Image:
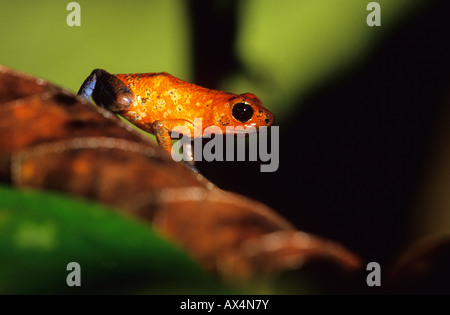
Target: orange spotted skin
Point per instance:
(159, 103)
(163, 97)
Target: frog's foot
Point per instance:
(192, 166)
(107, 91)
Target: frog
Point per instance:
(158, 102)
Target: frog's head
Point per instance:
(247, 110)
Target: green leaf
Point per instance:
(41, 233)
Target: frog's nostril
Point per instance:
(267, 120)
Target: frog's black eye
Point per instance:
(242, 112)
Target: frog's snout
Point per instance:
(270, 118)
(266, 117)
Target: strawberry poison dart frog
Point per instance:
(158, 102)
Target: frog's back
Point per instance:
(160, 96)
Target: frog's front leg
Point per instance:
(163, 129)
(107, 91)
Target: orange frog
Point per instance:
(158, 102)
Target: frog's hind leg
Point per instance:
(107, 91)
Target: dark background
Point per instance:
(354, 154)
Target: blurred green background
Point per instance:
(357, 106)
(285, 47)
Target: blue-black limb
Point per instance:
(107, 91)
